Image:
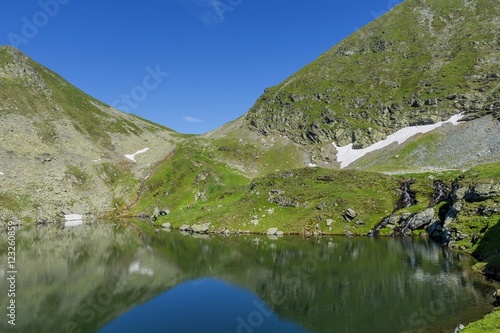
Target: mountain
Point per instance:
(419, 64)
(62, 150)
(425, 64)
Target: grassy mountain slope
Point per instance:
(196, 188)
(62, 150)
(420, 63)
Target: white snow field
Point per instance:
(346, 154)
(132, 156)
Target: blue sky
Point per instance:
(191, 65)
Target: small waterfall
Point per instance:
(408, 196)
(441, 192)
(410, 220)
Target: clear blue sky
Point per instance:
(219, 54)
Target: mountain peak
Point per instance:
(18, 68)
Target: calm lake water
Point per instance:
(102, 278)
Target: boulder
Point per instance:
(142, 216)
(156, 213)
(185, 228)
(350, 214)
(164, 212)
(435, 230)
(452, 213)
(329, 222)
(272, 231)
(422, 219)
(200, 228)
(165, 225)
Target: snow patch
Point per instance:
(1, 173)
(132, 156)
(346, 154)
(73, 220)
(135, 267)
(312, 165)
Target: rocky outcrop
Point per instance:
(481, 192)
(465, 201)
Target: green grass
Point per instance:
(482, 173)
(490, 323)
(392, 61)
(232, 201)
(77, 176)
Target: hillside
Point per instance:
(420, 63)
(62, 150)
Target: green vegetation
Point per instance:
(121, 181)
(14, 202)
(197, 188)
(77, 176)
(410, 66)
(490, 323)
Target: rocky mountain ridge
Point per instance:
(61, 151)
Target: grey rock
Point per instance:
(329, 222)
(422, 219)
(200, 228)
(185, 228)
(156, 214)
(459, 194)
(481, 192)
(165, 225)
(200, 196)
(164, 212)
(272, 231)
(453, 213)
(350, 214)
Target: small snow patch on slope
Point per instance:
(346, 154)
(73, 220)
(132, 156)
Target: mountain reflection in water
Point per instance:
(104, 278)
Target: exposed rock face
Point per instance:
(462, 199)
(481, 192)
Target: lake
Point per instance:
(107, 278)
